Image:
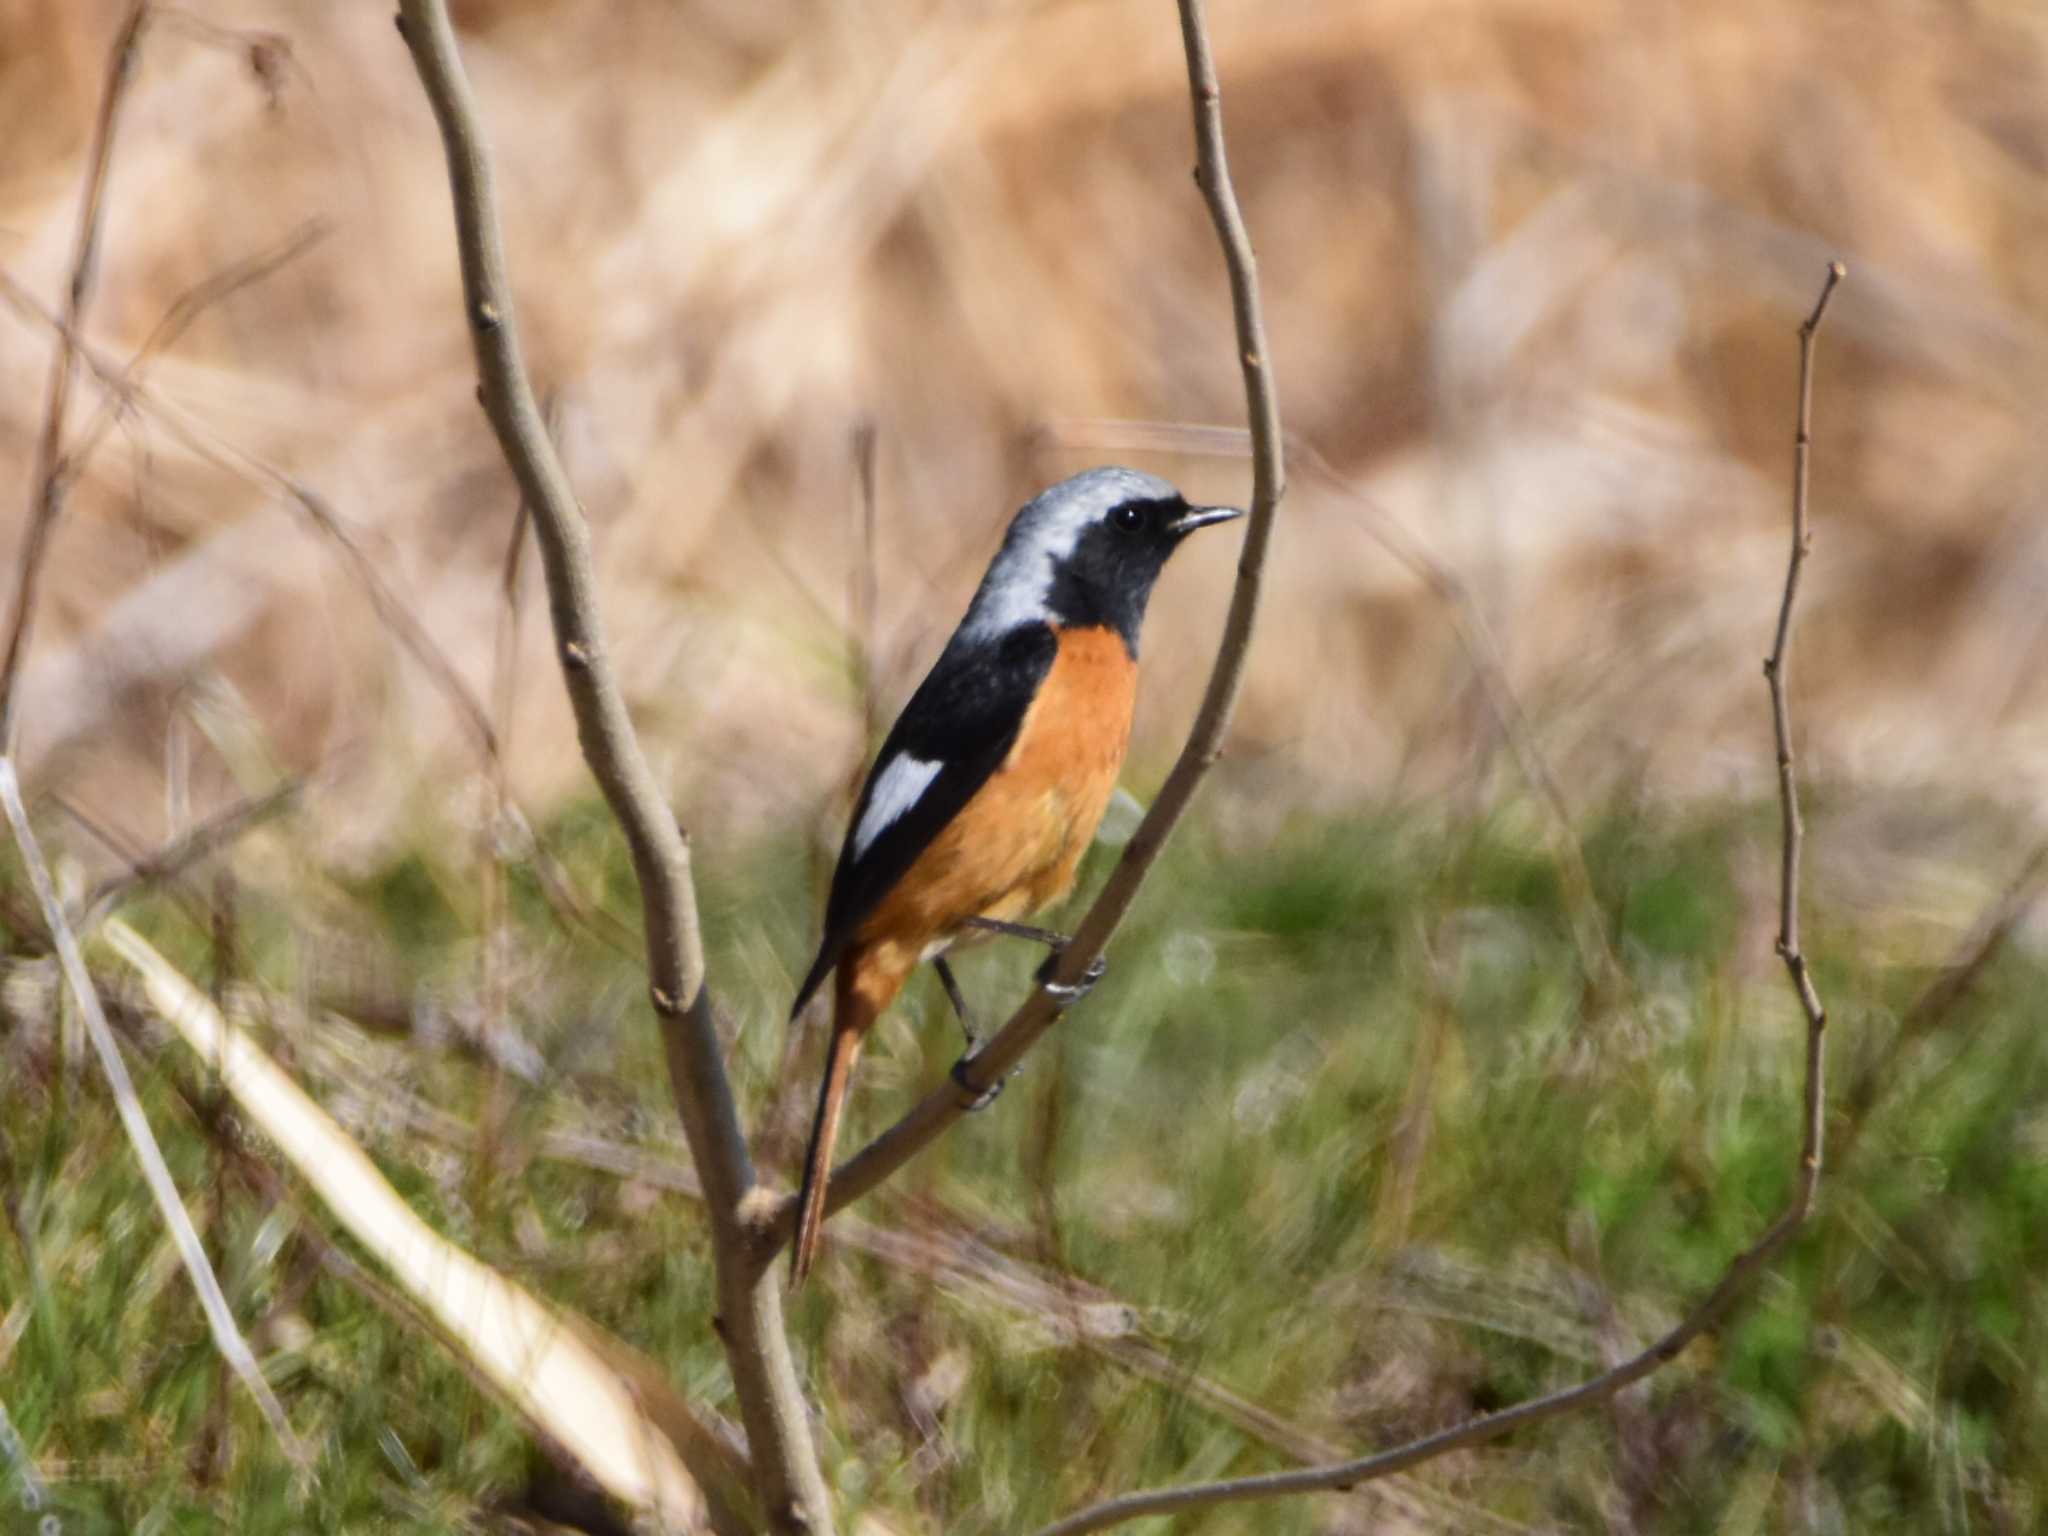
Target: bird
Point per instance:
(990, 785)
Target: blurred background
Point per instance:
(1533, 271)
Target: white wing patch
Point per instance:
(899, 788)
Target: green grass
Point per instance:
(1215, 1138)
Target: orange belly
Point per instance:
(1016, 846)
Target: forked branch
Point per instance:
(1744, 1267)
(750, 1304)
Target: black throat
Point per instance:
(1108, 580)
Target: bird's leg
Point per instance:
(1052, 941)
(954, 996)
(1066, 994)
(977, 1097)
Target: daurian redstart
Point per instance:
(990, 785)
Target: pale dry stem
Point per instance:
(227, 1335)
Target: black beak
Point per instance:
(1201, 517)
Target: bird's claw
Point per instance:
(977, 1097)
(1068, 993)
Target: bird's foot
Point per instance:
(976, 1096)
(1068, 993)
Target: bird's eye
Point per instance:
(1130, 517)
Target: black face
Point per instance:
(1108, 578)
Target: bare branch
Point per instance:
(764, 1376)
(1775, 664)
(49, 495)
(1736, 1278)
(227, 1337)
(939, 1109)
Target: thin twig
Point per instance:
(496, 944)
(1932, 1008)
(395, 612)
(183, 311)
(227, 1337)
(572, 909)
(939, 1109)
(1475, 635)
(1775, 665)
(505, 660)
(1408, 1146)
(268, 55)
(175, 857)
(49, 495)
(750, 1302)
(864, 594)
(1735, 1279)
(210, 1455)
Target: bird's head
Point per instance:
(1087, 551)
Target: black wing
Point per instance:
(964, 718)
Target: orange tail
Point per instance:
(846, 1042)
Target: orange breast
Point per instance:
(1016, 845)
